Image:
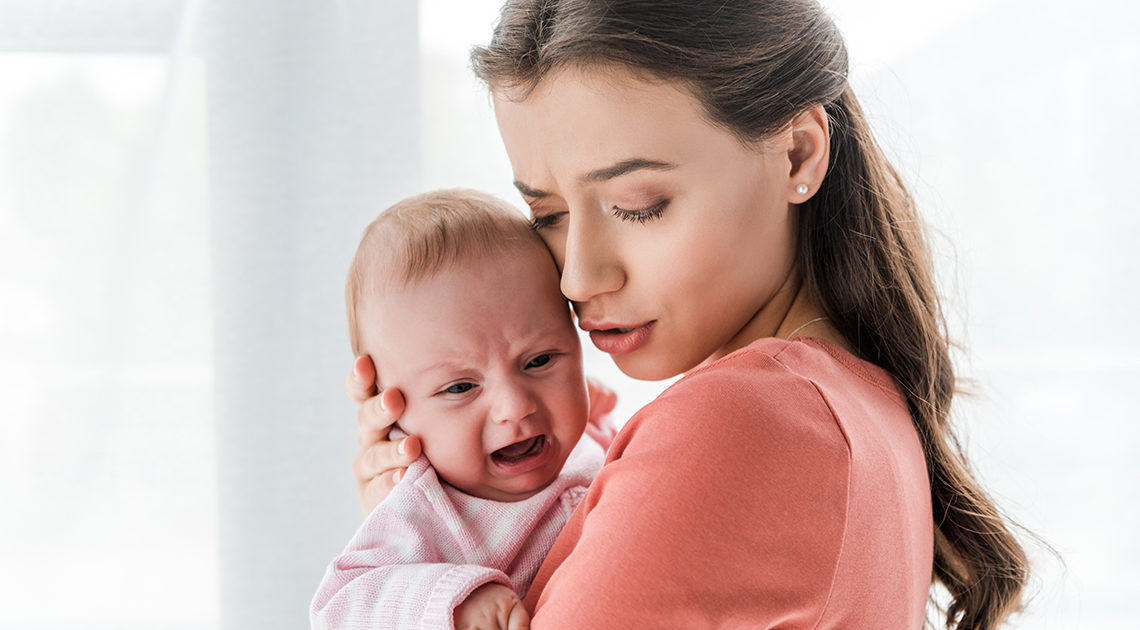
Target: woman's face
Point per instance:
(672, 236)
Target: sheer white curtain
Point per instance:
(182, 186)
(183, 183)
(313, 130)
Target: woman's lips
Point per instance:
(620, 340)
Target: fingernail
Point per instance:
(398, 475)
(401, 447)
(383, 407)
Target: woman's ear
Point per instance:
(808, 154)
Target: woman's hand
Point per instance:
(492, 607)
(380, 462)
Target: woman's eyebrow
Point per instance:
(527, 191)
(623, 167)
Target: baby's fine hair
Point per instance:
(423, 235)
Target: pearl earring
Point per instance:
(802, 189)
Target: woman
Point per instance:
(710, 190)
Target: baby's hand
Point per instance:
(492, 607)
(602, 401)
(601, 426)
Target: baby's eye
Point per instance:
(460, 388)
(539, 361)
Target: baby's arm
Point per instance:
(393, 574)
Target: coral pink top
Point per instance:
(781, 486)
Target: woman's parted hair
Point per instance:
(421, 236)
(754, 65)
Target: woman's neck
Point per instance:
(791, 312)
(805, 318)
(768, 320)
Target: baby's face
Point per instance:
(491, 369)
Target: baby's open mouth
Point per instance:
(520, 450)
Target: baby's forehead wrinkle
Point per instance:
(458, 362)
(494, 345)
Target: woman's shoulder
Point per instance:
(773, 391)
(766, 362)
(746, 396)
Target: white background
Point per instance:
(182, 185)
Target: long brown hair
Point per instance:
(753, 66)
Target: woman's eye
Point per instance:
(541, 222)
(643, 215)
(460, 388)
(539, 361)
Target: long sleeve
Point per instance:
(394, 596)
(423, 550)
(736, 499)
(400, 569)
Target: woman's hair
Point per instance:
(753, 66)
(423, 235)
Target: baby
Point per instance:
(457, 301)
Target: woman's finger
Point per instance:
(377, 489)
(376, 416)
(384, 457)
(377, 468)
(360, 384)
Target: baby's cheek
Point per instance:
(438, 442)
(411, 423)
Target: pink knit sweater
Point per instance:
(423, 550)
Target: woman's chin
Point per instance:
(646, 367)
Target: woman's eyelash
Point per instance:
(544, 221)
(644, 215)
(641, 216)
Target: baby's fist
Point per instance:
(492, 607)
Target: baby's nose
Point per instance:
(512, 403)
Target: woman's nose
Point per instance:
(513, 402)
(590, 265)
